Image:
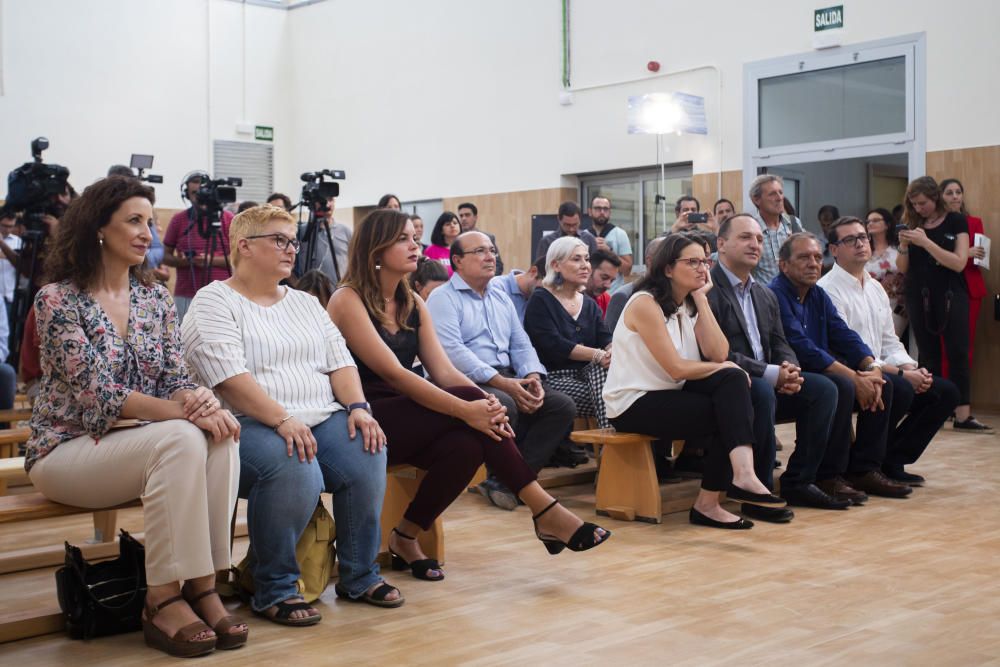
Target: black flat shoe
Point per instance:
(376, 597)
(769, 514)
(903, 477)
(761, 499)
(419, 568)
(581, 540)
(699, 519)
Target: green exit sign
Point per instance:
(829, 18)
(263, 133)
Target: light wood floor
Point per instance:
(897, 582)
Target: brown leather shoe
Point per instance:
(839, 488)
(875, 483)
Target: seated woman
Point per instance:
(658, 383)
(430, 275)
(460, 427)
(568, 330)
(446, 230)
(273, 355)
(317, 283)
(110, 351)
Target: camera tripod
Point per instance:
(24, 293)
(209, 227)
(318, 218)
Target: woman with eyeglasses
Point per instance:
(937, 296)
(447, 426)
(659, 383)
(887, 265)
(446, 230)
(567, 329)
(278, 362)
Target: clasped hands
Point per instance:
(204, 410)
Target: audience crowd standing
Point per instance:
(321, 386)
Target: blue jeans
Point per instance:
(283, 492)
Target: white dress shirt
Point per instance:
(864, 305)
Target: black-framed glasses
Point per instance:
(694, 262)
(481, 251)
(281, 242)
(856, 240)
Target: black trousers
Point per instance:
(540, 433)
(717, 406)
(947, 317)
(916, 418)
(871, 433)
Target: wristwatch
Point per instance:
(899, 372)
(360, 406)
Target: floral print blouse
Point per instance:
(89, 369)
(883, 269)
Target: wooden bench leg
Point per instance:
(105, 526)
(400, 487)
(627, 488)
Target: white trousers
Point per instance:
(187, 485)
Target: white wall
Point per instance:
(103, 79)
(436, 97)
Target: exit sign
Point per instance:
(830, 18)
(263, 133)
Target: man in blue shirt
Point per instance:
(518, 285)
(819, 338)
(482, 334)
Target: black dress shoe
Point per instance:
(498, 494)
(770, 514)
(897, 474)
(810, 495)
(699, 519)
(762, 499)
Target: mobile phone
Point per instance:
(901, 228)
(697, 217)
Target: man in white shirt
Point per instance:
(10, 245)
(921, 402)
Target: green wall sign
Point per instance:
(263, 133)
(829, 18)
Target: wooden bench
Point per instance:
(627, 487)
(11, 439)
(15, 415)
(401, 484)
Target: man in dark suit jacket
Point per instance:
(748, 314)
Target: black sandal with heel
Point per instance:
(581, 540)
(419, 568)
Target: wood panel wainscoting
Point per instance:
(978, 169)
(705, 188)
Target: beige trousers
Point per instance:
(187, 485)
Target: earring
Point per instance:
(100, 240)
(378, 265)
(558, 280)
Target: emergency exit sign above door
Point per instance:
(828, 27)
(830, 18)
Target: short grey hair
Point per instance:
(785, 252)
(757, 186)
(560, 249)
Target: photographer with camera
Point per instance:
(324, 240)
(192, 245)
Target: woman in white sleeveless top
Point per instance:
(660, 385)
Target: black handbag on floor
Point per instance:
(105, 598)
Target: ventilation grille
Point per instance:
(254, 163)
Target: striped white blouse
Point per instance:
(289, 348)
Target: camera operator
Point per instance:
(154, 258)
(187, 249)
(332, 264)
(688, 217)
(10, 247)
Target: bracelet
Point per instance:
(598, 356)
(278, 425)
(903, 251)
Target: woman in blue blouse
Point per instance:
(567, 330)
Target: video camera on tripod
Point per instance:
(210, 198)
(317, 191)
(315, 195)
(32, 187)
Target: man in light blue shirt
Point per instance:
(518, 285)
(482, 334)
(610, 237)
